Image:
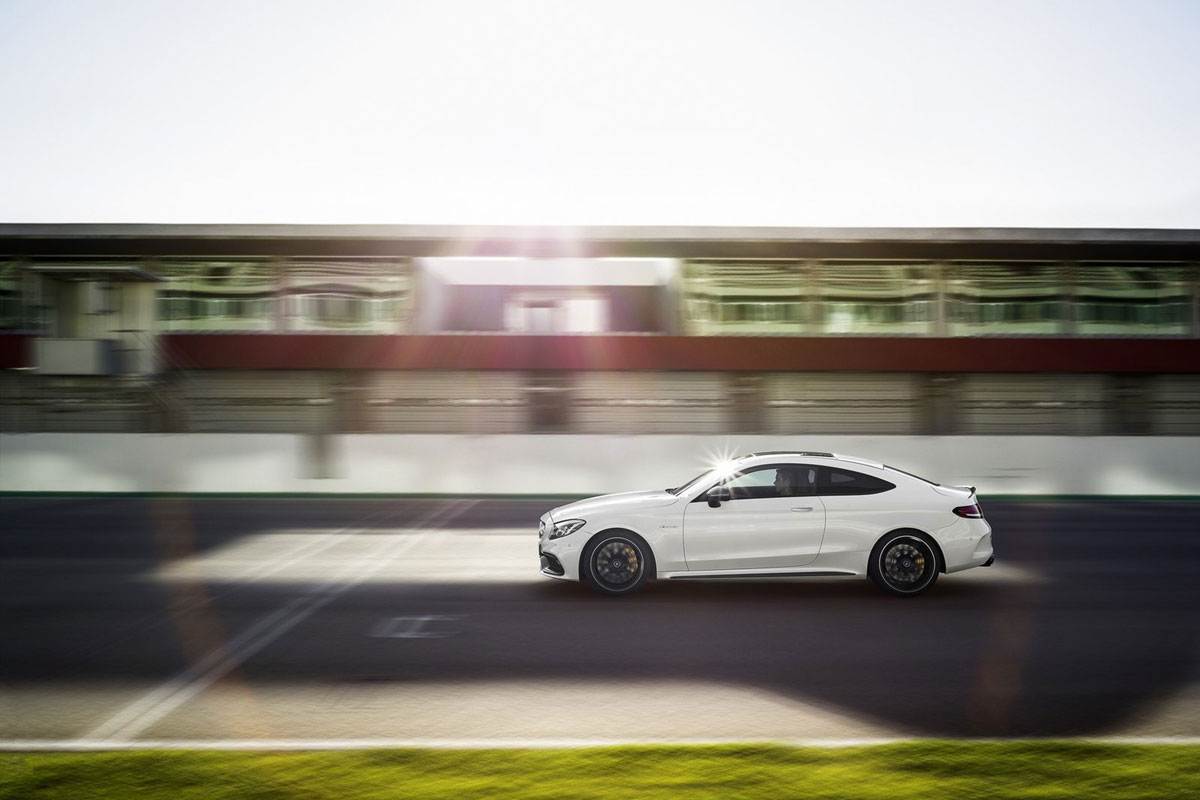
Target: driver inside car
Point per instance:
(787, 482)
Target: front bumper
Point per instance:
(559, 558)
(551, 565)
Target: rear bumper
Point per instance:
(969, 546)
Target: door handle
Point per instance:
(803, 508)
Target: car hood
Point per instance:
(623, 502)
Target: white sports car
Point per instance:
(772, 515)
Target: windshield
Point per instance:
(692, 482)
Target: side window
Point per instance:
(798, 480)
(753, 485)
(790, 480)
(837, 481)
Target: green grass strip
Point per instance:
(928, 770)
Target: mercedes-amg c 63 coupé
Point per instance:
(772, 515)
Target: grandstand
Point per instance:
(410, 329)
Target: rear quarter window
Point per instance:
(838, 481)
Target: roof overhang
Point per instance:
(349, 241)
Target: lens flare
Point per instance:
(722, 459)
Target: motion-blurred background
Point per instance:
(846, 338)
(308, 312)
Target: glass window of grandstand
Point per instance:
(1121, 299)
(875, 298)
(744, 298)
(347, 296)
(1005, 299)
(10, 296)
(218, 295)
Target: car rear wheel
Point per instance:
(904, 563)
(617, 563)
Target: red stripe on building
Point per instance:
(724, 353)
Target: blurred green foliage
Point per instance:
(927, 770)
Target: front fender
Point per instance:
(664, 535)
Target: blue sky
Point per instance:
(1007, 113)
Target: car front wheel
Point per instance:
(617, 563)
(904, 563)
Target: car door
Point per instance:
(769, 522)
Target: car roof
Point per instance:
(815, 454)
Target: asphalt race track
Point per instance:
(153, 619)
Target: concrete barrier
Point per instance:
(566, 464)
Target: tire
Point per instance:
(904, 563)
(617, 562)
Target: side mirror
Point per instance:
(718, 495)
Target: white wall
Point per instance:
(145, 462)
(567, 464)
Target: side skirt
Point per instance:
(748, 575)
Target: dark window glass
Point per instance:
(836, 481)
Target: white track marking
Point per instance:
(215, 661)
(151, 707)
(320, 545)
(453, 556)
(413, 627)
(256, 573)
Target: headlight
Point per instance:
(566, 528)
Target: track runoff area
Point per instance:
(311, 623)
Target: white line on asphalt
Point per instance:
(321, 544)
(131, 714)
(65, 745)
(255, 573)
(162, 700)
(412, 627)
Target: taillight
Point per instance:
(970, 512)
